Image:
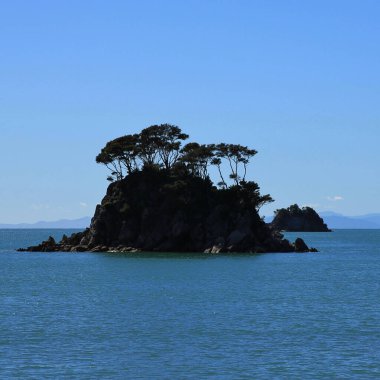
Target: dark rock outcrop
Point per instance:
(300, 246)
(296, 219)
(154, 210)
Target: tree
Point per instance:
(234, 154)
(250, 193)
(110, 157)
(127, 151)
(118, 154)
(216, 161)
(160, 144)
(197, 158)
(169, 144)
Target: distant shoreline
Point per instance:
(80, 223)
(43, 228)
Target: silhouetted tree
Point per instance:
(160, 144)
(216, 161)
(197, 158)
(250, 193)
(120, 154)
(129, 148)
(235, 155)
(110, 157)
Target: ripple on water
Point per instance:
(303, 316)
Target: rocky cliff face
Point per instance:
(298, 219)
(156, 211)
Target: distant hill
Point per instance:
(339, 221)
(63, 223)
(335, 220)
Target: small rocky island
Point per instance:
(161, 199)
(296, 219)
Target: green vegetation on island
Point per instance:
(160, 147)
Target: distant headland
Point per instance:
(161, 198)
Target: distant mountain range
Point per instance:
(332, 219)
(339, 221)
(81, 223)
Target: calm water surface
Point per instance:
(273, 316)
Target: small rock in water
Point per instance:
(300, 246)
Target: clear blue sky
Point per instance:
(297, 80)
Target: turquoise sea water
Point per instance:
(272, 316)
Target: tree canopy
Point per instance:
(160, 147)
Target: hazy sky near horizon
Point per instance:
(297, 80)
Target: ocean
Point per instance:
(191, 316)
